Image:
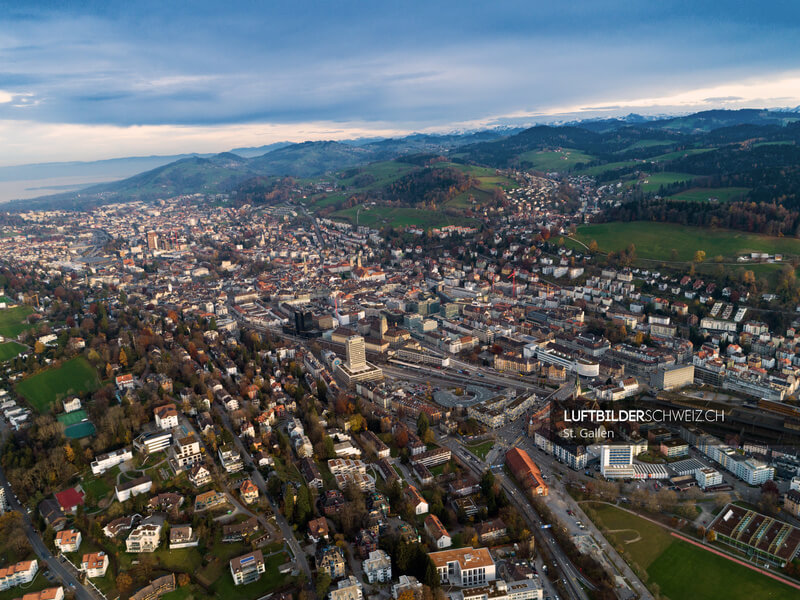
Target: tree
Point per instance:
(302, 507)
(183, 580)
(124, 581)
(323, 583)
(593, 246)
(422, 423)
(38, 347)
(699, 256)
(288, 503)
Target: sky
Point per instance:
(95, 80)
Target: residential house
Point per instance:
(199, 475)
(330, 560)
(68, 540)
(94, 564)
(437, 532)
(166, 417)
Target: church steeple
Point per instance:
(577, 391)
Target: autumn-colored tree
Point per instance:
(69, 453)
(123, 358)
(183, 580)
(38, 347)
(401, 439)
(124, 581)
(593, 247)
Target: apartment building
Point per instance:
(144, 538)
(18, 573)
(378, 567)
(464, 567)
(247, 568)
(186, 452)
(104, 462)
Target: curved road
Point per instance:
(53, 564)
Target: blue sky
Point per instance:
(85, 80)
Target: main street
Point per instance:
(559, 500)
(572, 579)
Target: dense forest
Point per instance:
(766, 218)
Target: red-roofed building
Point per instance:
(69, 500)
(526, 472)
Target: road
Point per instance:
(573, 579)
(258, 479)
(559, 501)
(53, 564)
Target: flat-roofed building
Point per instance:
(464, 567)
(378, 567)
(104, 462)
(247, 568)
(347, 589)
(144, 538)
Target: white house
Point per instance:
(95, 564)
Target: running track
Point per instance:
(736, 560)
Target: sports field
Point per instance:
(9, 350)
(681, 570)
(80, 430)
(73, 417)
(723, 194)
(656, 240)
(75, 376)
(12, 320)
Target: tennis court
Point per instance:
(80, 430)
(73, 417)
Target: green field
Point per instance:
(381, 174)
(75, 376)
(723, 194)
(73, 417)
(9, 350)
(224, 587)
(656, 240)
(612, 166)
(654, 181)
(681, 570)
(12, 320)
(680, 154)
(391, 216)
(647, 144)
(481, 450)
(556, 160)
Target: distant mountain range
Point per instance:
(603, 140)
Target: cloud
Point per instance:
(155, 67)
